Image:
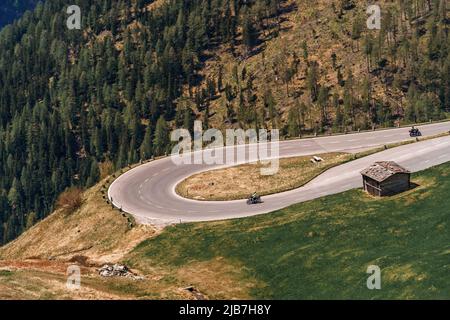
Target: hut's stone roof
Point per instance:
(382, 170)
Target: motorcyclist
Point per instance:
(254, 198)
(414, 131)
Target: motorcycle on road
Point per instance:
(254, 199)
(414, 132)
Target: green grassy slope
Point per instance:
(321, 249)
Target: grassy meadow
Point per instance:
(321, 249)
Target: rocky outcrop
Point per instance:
(117, 270)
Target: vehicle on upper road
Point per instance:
(415, 132)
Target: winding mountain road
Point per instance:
(148, 191)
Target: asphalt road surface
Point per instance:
(148, 191)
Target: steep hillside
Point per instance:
(323, 70)
(77, 104)
(91, 228)
(90, 234)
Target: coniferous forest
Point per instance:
(78, 104)
(72, 99)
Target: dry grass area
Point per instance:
(216, 278)
(155, 5)
(70, 200)
(93, 230)
(239, 182)
(34, 266)
(30, 285)
(46, 280)
(40, 279)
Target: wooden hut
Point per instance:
(386, 178)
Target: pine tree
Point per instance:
(188, 119)
(146, 146)
(312, 79)
(161, 139)
(94, 174)
(293, 124)
(322, 102)
(249, 32)
(271, 106)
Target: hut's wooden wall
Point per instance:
(371, 186)
(397, 183)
